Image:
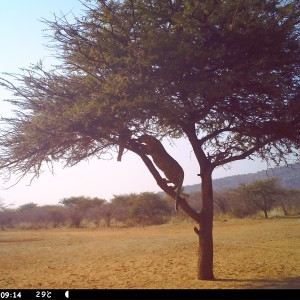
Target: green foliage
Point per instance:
(228, 68)
(82, 202)
(224, 74)
(121, 205)
(79, 207)
(261, 194)
(140, 209)
(27, 206)
(149, 208)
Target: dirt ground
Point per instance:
(248, 254)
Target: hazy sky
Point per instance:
(22, 44)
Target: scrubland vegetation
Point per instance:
(222, 74)
(139, 241)
(259, 199)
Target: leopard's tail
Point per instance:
(177, 195)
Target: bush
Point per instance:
(149, 209)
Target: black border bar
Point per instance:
(105, 294)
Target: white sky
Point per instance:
(22, 40)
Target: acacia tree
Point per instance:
(149, 208)
(261, 194)
(223, 74)
(79, 206)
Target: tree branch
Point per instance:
(134, 147)
(243, 155)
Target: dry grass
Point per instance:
(248, 254)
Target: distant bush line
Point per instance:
(262, 198)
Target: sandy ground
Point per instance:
(248, 254)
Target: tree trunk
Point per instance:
(265, 209)
(205, 252)
(205, 218)
(284, 208)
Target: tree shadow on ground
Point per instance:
(283, 283)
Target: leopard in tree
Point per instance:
(165, 162)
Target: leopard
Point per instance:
(165, 162)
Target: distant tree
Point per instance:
(238, 207)
(194, 201)
(107, 213)
(261, 194)
(149, 208)
(6, 218)
(56, 215)
(30, 215)
(79, 206)
(27, 206)
(121, 205)
(82, 202)
(223, 74)
(222, 201)
(289, 201)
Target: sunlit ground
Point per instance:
(248, 254)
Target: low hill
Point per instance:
(289, 178)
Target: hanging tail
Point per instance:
(176, 197)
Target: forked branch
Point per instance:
(134, 147)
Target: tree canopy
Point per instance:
(224, 74)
